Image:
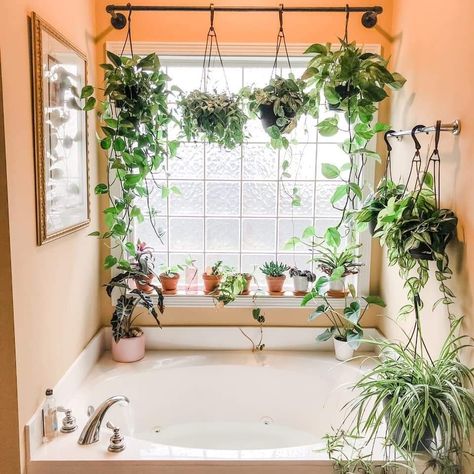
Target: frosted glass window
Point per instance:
(236, 205)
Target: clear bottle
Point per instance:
(50, 417)
(191, 276)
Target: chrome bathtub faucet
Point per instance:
(90, 433)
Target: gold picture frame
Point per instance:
(59, 71)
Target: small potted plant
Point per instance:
(232, 285)
(191, 275)
(345, 329)
(337, 265)
(279, 104)
(169, 278)
(275, 276)
(213, 276)
(128, 344)
(216, 117)
(248, 279)
(143, 266)
(301, 280)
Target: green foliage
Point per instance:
(416, 403)
(274, 269)
(218, 269)
(171, 271)
(353, 83)
(216, 117)
(337, 263)
(345, 325)
(231, 286)
(134, 118)
(414, 232)
(279, 104)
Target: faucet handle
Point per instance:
(117, 443)
(90, 410)
(69, 422)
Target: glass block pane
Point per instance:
(222, 163)
(258, 234)
(257, 76)
(301, 261)
(158, 204)
(302, 161)
(223, 198)
(259, 199)
(251, 264)
(186, 78)
(333, 154)
(305, 131)
(222, 234)
(186, 234)
(216, 79)
(321, 226)
(191, 200)
(160, 259)
(146, 233)
(189, 162)
(341, 135)
(305, 191)
(256, 133)
(229, 259)
(180, 259)
(260, 162)
(324, 191)
(288, 228)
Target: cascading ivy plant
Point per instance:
(215, 117)
(352, 83)
(134, 117)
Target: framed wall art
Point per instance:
(60, 128)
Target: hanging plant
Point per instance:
(414, 404)
(134, 117)
(279, 105)
(352, 83)
(214, 117)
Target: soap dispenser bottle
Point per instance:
(50, 417)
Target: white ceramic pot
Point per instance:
(300, 284)
(343, 350)
(337, 287)
(129, 349)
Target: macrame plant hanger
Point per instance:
(281, 40)
(211, 40)
(128, 37)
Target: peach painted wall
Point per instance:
(437, 57)
(55, 286)
(244, 28)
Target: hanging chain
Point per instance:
(279, 41)
(211, 39)
(129, 31)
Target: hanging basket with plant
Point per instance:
(215, 117)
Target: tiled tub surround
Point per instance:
(199, 408)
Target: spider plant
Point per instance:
(337, 263)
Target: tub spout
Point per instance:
(90, 433)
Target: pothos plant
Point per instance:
(134, 118)
(345, 324)
(215, 117)
(352, 83)
(415, 232)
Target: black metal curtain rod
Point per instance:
(178, 8)
(118, 20)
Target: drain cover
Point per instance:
(266, 420)
(157, 429)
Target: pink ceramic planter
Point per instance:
(129, 349)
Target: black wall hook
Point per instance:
(385, 137)
(413, 136)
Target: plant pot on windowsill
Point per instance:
(169, 283)
(248, 280)
(144, 283)
(300, 284)
(275, 284)
(269, 119)
(129, 349)
(343, 350)
(211, 282)
(337, 288)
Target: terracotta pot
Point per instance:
(128, 349)
(275, 284)
(145, 283)
(246, 290)
(211, 282)
(343, 350)
(169, 283)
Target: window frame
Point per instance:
(176, 53)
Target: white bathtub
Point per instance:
(208, 412)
